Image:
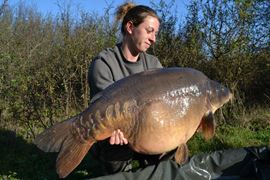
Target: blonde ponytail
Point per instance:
(123, 9)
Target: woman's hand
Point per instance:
(118, 138)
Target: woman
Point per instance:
(140, 25)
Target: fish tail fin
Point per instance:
(70, 156)
(52, 139)
(59, 138)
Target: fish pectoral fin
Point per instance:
(208, 126)
(199, 129)
(181, 154)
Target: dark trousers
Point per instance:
(118, 158)
(252, 163)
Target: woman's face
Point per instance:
(144, 35)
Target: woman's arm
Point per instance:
(99, 76)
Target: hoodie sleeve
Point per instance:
(99, 76)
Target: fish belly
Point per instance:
(162, 140)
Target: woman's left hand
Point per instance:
(118, 138)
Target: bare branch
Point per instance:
(2, 7)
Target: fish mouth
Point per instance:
(222, 101)
(231, 96)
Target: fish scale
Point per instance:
(160, 113)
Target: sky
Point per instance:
(50, 6)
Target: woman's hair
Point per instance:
(136, 14)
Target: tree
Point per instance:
(2, 7)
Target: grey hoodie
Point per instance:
(110, 66)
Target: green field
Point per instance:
(20, 159)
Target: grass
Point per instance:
(229, 136)
(20, 159)
(23, 160)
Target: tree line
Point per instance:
(44, 59)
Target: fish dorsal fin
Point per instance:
(96, 97)
(208, 125)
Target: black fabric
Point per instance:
(119, 158)
(244, 163)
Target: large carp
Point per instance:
(157, 111)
